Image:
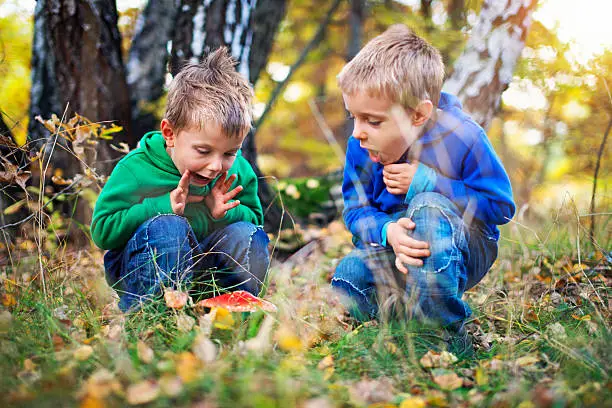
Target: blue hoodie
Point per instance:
(455, 159)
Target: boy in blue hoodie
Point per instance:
(423, 189)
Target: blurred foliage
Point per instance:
(547, 133)
(15, 54)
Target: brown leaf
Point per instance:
(142, 393)
(433, 359)
(447, 380)
(204, 349)
(175, 299)
(83, 353)
(145, 353)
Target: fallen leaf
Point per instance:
(433, 359)
(175, 299)
(413, 402)
(145, 353)
(368, 391)
(92, 402)
(170, 385)
(184, 323)
(223, 319)
(287, 340)
(447, 380)
(142, 392)
(187, 367)
(83, 353)
(327, 366)
(6, 321)
(581, 318)
(527, 361)
(8, 300)
(481, 376)
(101, 384)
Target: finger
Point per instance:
(407, 260)
(230, 195)
(179, 208)
(406, 223)
(408, 241)
(184, 181)
(233, 204)
(230, 181)
(395, 190)
(400, 266)
(194, 198)
(391, 182)
(396, 168)
(414, 252)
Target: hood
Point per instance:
(449, 120)
(153, 146)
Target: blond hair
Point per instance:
(397, 65)
(211, 90)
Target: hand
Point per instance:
(398, 177)
(179, 197)
(218, 199)
(408, 250)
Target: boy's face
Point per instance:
(377, 129)
(206, 153)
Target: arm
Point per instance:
(484, 192)
(120, 209)
(363, 220)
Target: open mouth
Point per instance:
(374, 156)
(200, 180)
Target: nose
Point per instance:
(358, 132)
(215, 165)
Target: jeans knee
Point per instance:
(167, 228)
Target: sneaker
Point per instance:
(459, 342)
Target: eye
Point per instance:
(231, 153)
(202, 152)
(374, 122)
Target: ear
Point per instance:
(168, 132)
(422, 112)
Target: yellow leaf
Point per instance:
(13, 208)
(481, 376)
(83, 353)
(223, 319)
(142, 393)
(526, 361)
(288, 340)
(92, 402)
(8, 300)
(413, 402)
(585, 317)
(187, 367)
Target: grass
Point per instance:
(539, 323)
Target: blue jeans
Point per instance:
(460, 257)
(165, 252)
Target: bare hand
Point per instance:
(218, 199)
(408, 250)
(398, 177)
(179, 197)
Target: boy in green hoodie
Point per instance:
(185, 201)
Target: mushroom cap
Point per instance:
(239, 301)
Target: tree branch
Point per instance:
(314, 42)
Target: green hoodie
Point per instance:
(139, 188)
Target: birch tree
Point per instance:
(484, 70)
(247, 28)
(147, 61)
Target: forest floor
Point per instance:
(540, 326)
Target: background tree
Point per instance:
(147, 62)
(247, 28)
(485, 68)
(77, 67)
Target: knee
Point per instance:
(352, 271)
(433, 204)
(168, 230)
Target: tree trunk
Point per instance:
(485, 68)
(356, 21)
(77, 67)
(147, 61)
(456, 13)
(247, 28)
(9, 191)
